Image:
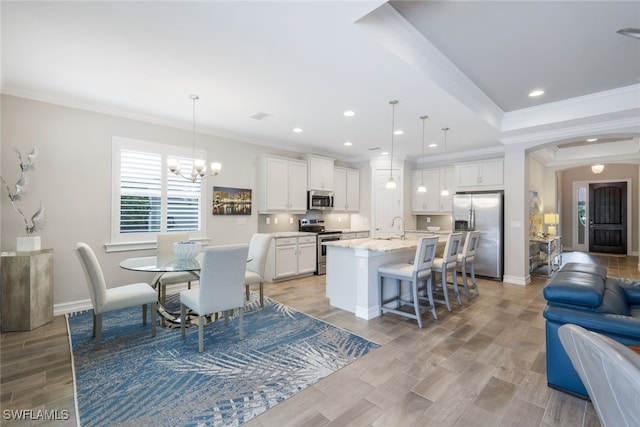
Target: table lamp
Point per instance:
(551, 219)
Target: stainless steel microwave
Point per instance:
(319, 200)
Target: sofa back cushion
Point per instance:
(614, 300)
(580, 267)
(574, 288)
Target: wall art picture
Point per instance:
(231, 201)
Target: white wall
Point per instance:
(73, 179)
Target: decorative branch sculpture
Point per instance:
(38, 220)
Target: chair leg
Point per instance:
(144, 314)
(154, 313)
(464, 283)
(454, 276)
(416, 302)
(380, 288)
(445, 288)
(246, 292)
(240, 323)
(261, 294)
(201, 333)
(473, 279)
(183, 320)
(97, 327)
(430, 296)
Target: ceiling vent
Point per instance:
(259, 115)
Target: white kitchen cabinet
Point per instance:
(320, 173)
(290, 257)
(283, 187)
(489, 173)
(432, 201)
(346, 192)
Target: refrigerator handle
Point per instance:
(472, 222)
(469, 220)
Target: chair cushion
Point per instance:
(251, 278)
(128, 296)
(173, 278)
(403, 270)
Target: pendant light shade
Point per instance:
(391, 183)
(422, 188)
(445, 190)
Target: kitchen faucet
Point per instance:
(393, 221)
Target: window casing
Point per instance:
(149, 199)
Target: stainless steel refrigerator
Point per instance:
(483, 212)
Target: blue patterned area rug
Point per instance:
(135, 379)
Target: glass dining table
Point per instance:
(160, 266)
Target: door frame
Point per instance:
(574, 208)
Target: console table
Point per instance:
(545, 255)
(26, 284)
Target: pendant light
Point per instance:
(199, 170)
(422, 188)
(391, 183)
(445, 190)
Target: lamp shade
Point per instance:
(551, 218)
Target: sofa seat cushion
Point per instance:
(631, 288)
(580, 267)
(574, 288)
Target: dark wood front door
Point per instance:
(608, 217)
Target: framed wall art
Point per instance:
(231, 201)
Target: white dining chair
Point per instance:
(221, 287)
(610, 372)
(417, 271)
(105, 300)
(466, 262)
(258, 251)
(165, 253)
(445, 265)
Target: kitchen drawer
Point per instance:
(286, 241)
(307, 239)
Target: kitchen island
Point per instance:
(352, 270)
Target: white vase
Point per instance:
(30, 243)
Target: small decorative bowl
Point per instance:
(433, 228)
(186, 250)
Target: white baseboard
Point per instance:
(72, 307)
(517, 280)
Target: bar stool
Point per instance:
(415, 271)
(444, 265)
(465, 259)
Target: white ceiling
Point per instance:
(303, 63)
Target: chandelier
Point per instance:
(445, 190)
(199, 169)
(422, 188)
(391, 183)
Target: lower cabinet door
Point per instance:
(306, 258)
(286, 261)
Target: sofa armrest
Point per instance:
(625, 329)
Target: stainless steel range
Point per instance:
(317, 226)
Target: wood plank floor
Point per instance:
(483, 364)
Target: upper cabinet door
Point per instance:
(297, 187)
(353, 190)
(346, 190)
(320, 173)
(481, 174)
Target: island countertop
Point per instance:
(380, 244)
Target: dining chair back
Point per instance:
(105, 300)
(610, 372)
(417, 271)
(221, 287)
(445, 265)
(165, 253)
(466, 262)
(258, 251)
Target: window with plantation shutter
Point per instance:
(148, 198)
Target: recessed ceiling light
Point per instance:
(385, 153)
(592, 139)
(535, 93)
(432, 145)
(399, 132)
(297, 130)
(349, 113)
(348, 144)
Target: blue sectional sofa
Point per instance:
(583, 295)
